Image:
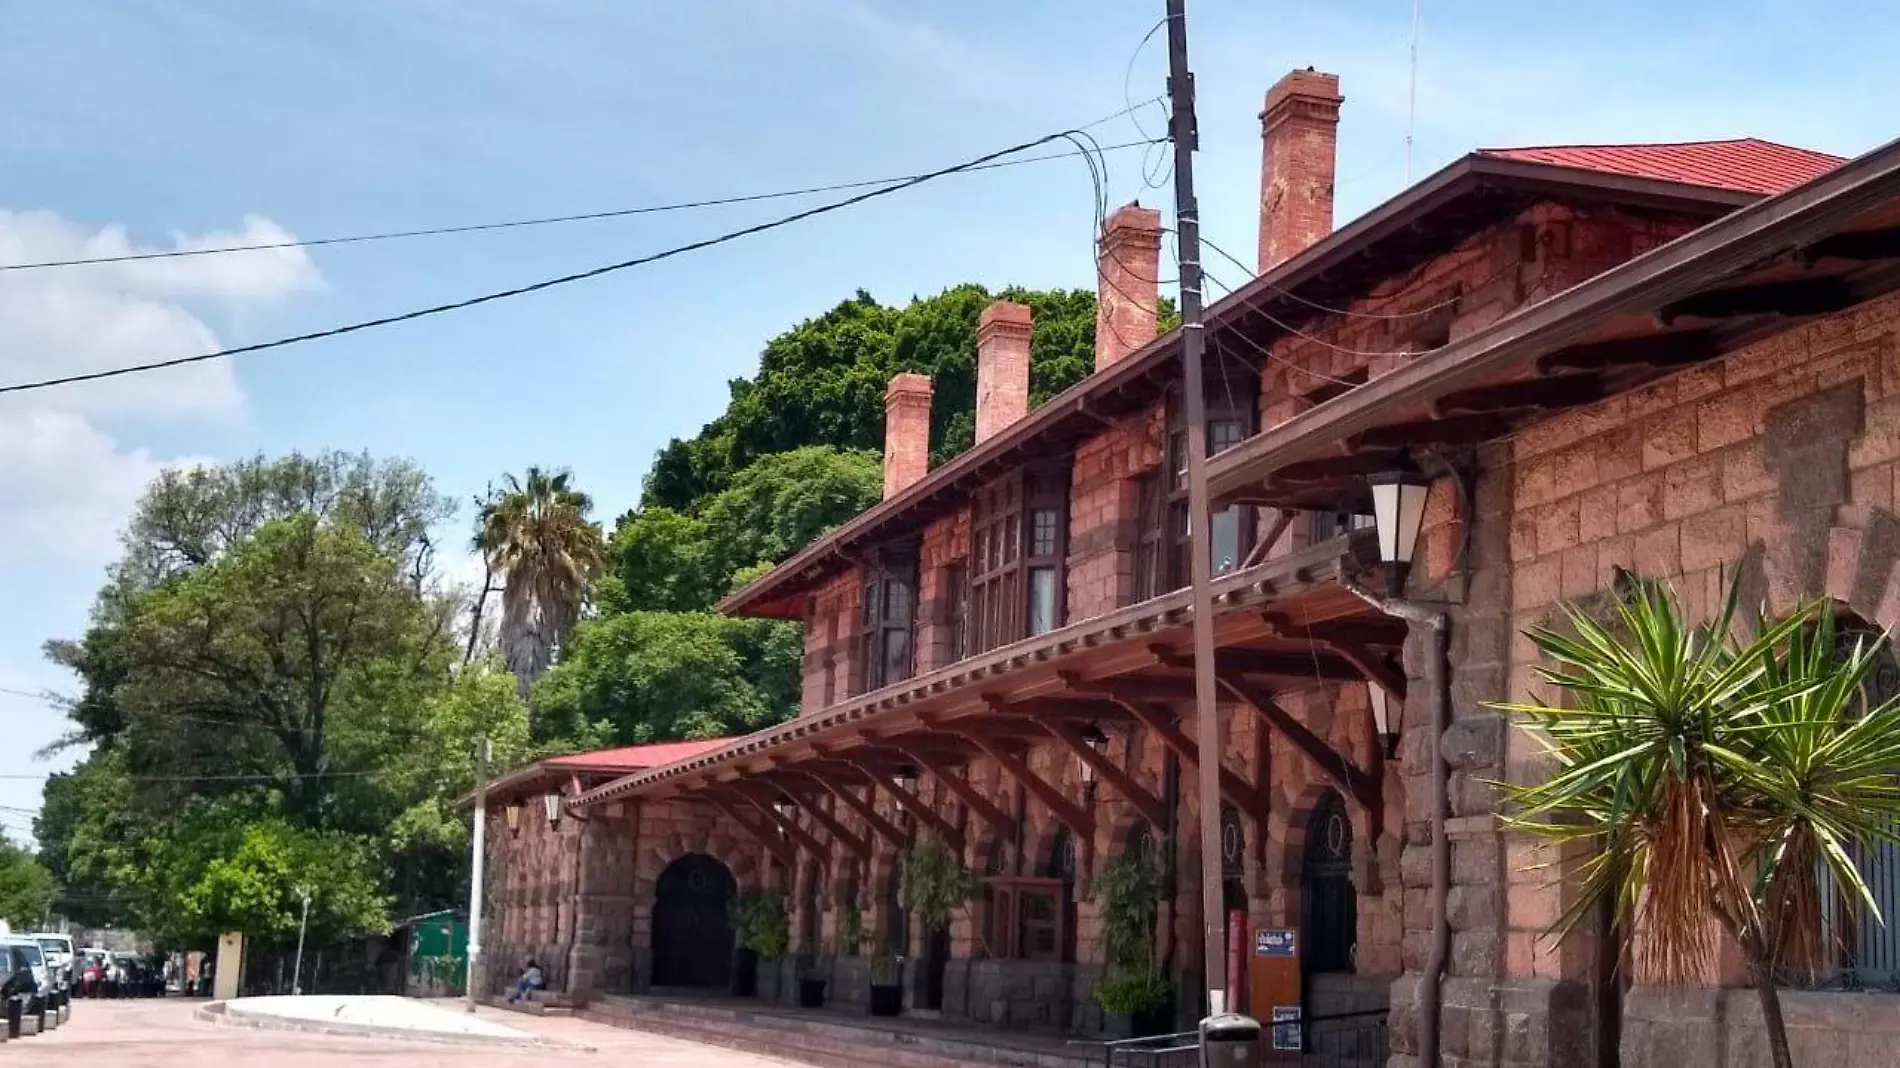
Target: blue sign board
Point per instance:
(1269, 942)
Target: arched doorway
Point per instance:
(692, 934)
(1329, 906)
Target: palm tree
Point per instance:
(536, 534)
(1717, 782)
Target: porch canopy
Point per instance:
(1815, 250)
(1281, 626)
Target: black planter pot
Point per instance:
(811, 993)
(887, 1000)
(1139, 1025)
(745, 974)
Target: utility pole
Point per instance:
(296, 971)
(479, 846)
(1187, 227)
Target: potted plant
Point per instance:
(934, 887)
(763, 932)
(1135, 997)
(887, 985)
(850, 930)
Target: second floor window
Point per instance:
(1018, 543)
(886, 616)
(1161, 550)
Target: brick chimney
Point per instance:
(1299, 135)
(1127, 267)
(1002, 367)
(906, 431)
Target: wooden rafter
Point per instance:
(914, 805)
(1860, 245)
(866, 811)
(1266, 542)
(859, 847)
(984, 808)
(1546, 394)
(1381, 630)
(799, 835)
(1800, 296)
(1659, 351)
(1450, 430)
(1376, 669)
(1317, 665)
(1064, 810)
(1232, 787)
(1335, 765)
(775, 845)
(1326, 468)
(1120, 781)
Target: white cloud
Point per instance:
(66, 480)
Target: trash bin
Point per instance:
(1230, 1040)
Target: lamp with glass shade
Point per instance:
(1398, 510)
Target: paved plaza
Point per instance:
(166, 1033)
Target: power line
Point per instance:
(485, 298)
(266, 776)
(547, 220)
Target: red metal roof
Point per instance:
(635, 756)
(1747, 164)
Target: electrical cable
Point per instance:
(550, 283)
(616, 213)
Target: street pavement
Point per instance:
(164, 1032)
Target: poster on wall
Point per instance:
(1286, 1027)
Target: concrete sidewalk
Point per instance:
(377, 1015)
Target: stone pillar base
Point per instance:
(1485, 1023)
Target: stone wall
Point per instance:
(1722, 1028)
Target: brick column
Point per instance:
(1299, 135)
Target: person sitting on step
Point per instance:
(529, 980)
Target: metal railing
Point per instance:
(1340, 1040)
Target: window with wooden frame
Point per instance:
(1027, 918)
(1018, 546)
(956, 613)
(887, 617)
(1161, 548)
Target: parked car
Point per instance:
(27, 979)
(17, 986)
(58, 951)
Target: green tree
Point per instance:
(657, 676)
(1712, 780)
(26, 887)
(268, 640)
(538, 535)
(822, 383)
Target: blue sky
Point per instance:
(150, 125)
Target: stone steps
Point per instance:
(825, 1042)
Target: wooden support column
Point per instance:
(985, 809)
(775, 845)
(1361, 785)
(1120, 781)
(882, 827)
(1068, 812)
(1378, 671)
(915, 806)
(1232, 787)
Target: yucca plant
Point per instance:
(1709, 781)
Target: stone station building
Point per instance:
(1557, 362)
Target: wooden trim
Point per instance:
(985, 809)
(1232, 787)
(859, 847)
(773, 844)
(1067, 812)
(914, 805)
(1120, 781)
(1377, 671)
(1331, 763)
(866, 811)
(799, 835)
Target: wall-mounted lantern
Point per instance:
(1398, 510)
(1092, 737)
(512, 813)
(785, 807)
(552, 802)
(1385, 719)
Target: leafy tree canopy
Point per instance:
(26, 887)
(823, 381)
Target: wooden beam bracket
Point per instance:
(985, 809)
(1335, 765)
(773, 843)
(1080, 823)
(1150, 806)
(866, 811)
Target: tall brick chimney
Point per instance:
(1002, 367)
(1299, 135)
(906, 431)
(1127, 268)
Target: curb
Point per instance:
(217, 1013)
